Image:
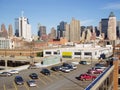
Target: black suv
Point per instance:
(19, 80)
(33, 76)
(45, 71)
(56, 68)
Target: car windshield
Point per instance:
(45, 70)
(32, 81)
(34, 74)
(19, 78)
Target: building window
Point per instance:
(119, 70)
(55, 53)
(95, 53)
(88, 53)
(47, 52)
(119, 81)
(77, 53)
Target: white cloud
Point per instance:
(115, 6)
(87, 22)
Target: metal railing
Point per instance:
(89, 87)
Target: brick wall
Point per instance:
(115, 75)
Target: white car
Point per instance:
(74, 66)
(14, 72)
(31, 83)
(98, 68)
(65, 69)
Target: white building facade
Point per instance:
(6, 43)
(83, 51)
(23, 28)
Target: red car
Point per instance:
(94, 71)
(86, 77)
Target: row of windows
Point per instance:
(75, 53)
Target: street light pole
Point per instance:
(5, 55)
(91, 59)
(80, 54)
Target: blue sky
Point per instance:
(50, 12)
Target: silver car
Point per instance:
(31, 83)
(5, 74)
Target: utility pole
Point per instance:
(5, 55)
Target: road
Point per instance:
(56, 81)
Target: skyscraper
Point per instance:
(10, 31)
(118, 29)
(104, 27)
(67, 32)
(75, 30)
(3, 32)
(61, 29)
(23, 28)
(53, 33)
(42, 31)
(112, 27)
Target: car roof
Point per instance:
(18, 77)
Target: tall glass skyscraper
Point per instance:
(61, 29)
(23, 28)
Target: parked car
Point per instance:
(31, 83)
(33, 76)
(65, 69)
(69, 66)
(84, 63)
(98, 68)
(94, 71)
(86, 77)
(56, 68)
(19, 80)
(65, 64)
(5, 74)
(33, 67)
(14, 72)
(45, 71)
(100, 65)
(73, 66)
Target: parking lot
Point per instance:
(56, 81)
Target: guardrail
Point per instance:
(97, 79)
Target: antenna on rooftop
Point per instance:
(22, 12)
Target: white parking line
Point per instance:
(15, 86)
(46, 77)
(42, 81)
(26, 86)
(4, 87)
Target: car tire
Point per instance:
(83, 80)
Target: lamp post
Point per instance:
(80, 54)
(5, 55)
(91, 59)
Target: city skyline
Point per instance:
(51, 13)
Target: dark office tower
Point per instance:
(53, 33)
(83, 28)
(3, 32)
(118, 29)
(97, 31)
(104, 27)
(90, 28)
(61, 29)
(42, 31)
(10, 31)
